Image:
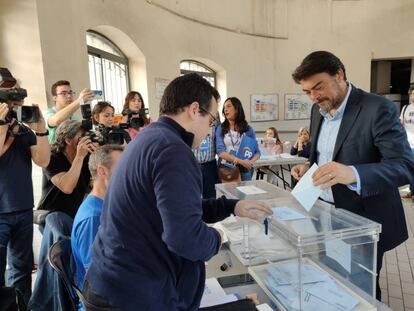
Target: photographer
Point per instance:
(18, 147)
(103, 117)
(135, 113)
(64, 106)
(66, 178)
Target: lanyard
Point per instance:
(232, 141)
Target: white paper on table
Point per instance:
(250, 190)
(214, 294)
(267, 157)
(264, 307)
(287, 156)
(305, 192)
(339, 251)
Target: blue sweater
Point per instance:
(150, 250)
(84, 229)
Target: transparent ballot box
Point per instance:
(324, 259)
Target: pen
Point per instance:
(266, 225)
(228, 264)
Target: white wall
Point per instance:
(54, 47)
(20, 49)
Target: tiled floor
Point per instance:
(397, 282)
(396, 279)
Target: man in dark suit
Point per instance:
(360, 147)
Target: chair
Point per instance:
(60, 258)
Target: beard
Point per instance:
(327, 104)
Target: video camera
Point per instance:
(108, 134)
(27, 114)
(135, 117)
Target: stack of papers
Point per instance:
(214, 294)
(320, 291)
(287, 156)
(250, 190)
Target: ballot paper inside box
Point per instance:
(325, 257)
(251, 190)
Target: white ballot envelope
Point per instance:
(305, 192)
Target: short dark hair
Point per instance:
(318, 62)
(58, 83)
(98, 108)
(411, 88)
(184, 90)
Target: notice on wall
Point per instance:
(264, 107)
(297, 106)
(160, 85)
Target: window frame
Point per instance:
(211, 73)
(101, 54)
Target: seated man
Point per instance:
(64, 106)
(101, 165)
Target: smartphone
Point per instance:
(28, 114)
(235, 280)
(98, 94)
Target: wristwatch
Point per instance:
(42, 134)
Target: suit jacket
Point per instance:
(371, 139)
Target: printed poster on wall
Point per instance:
(160, 85)
(297, 106)
(264, 107)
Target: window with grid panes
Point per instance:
(108, 69)
(189, 66)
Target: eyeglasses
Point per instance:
(213, 119)
(70, 93)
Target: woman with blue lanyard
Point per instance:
(236, 140)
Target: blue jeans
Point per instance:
(48, 291)
(246, 176)
(16, 239)
(412, 185)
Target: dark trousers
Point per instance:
(94, 302)
(380, 256)
(16, 239)
(210, 179)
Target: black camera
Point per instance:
(16, 94)
(135, 117)
(26, 114)
(7, 81)
(86, 112)
(113, 135)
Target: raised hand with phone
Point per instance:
(65, 105)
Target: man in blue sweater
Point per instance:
(150, 249)
(102, 164)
